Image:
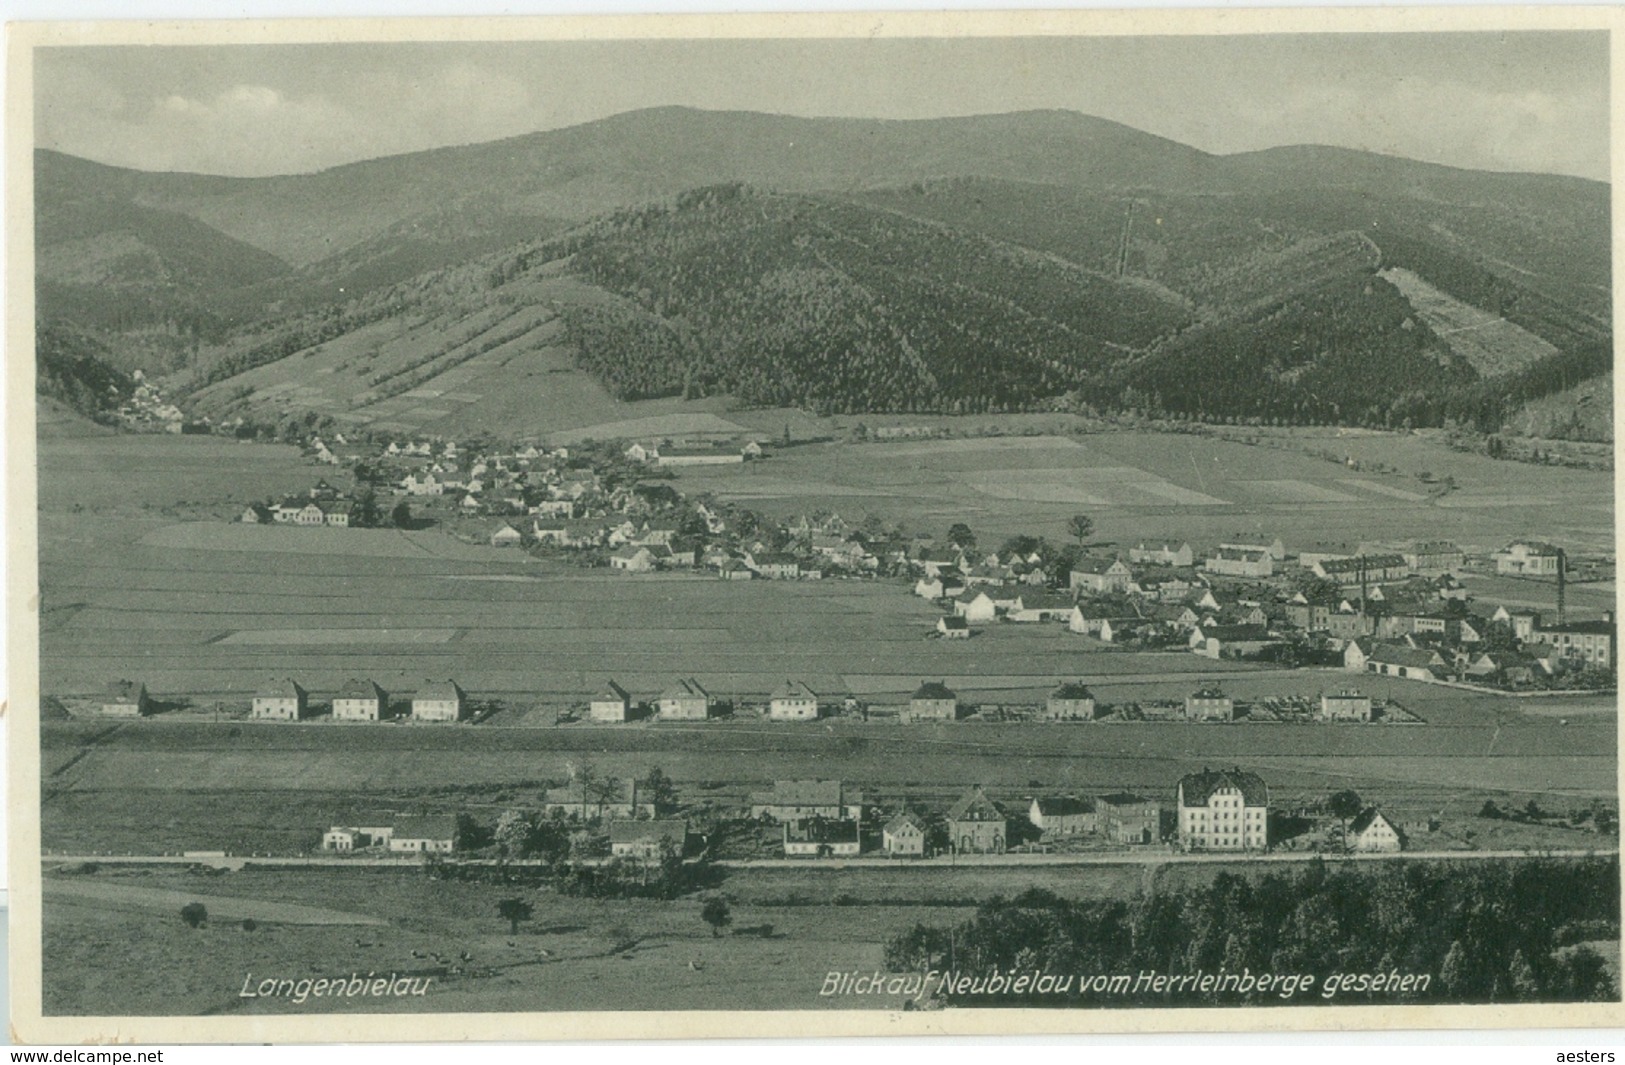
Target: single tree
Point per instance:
(513, 911)
(661, 790)
(1345, 806)
(960, 536)
(716, 914)
(401, 516)
(194, 914)
(1081, 526)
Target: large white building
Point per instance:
(1223, 810)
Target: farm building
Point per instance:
(1255, 562)
(506, 536)
(1070, 702)
(1209, 704)
(777, 565)
(1228, 641)
(1128, 818)
(793, 701)
(1099, 576)
(1226, 809)
(633, 559)
(684, 701)
(953, 627)
(424, 835)
(933, 701)
(1161, 554)
(904, 836)
(1528, 558)
(610, 704)
(351, 838)
(1347, 705)
(360, 700)
(1371, 832)
(648, 840)
(975, 605)
(1042, 606)
(975, 825)
(816, 837)
(1064, 816)
(256, 514)
(1398, 660)
(793, 800)
(732, 569)
(698, 456)
(126, 698)
(1356, 653)
(281, 700)
(440, 700)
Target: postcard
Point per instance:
(612, 527)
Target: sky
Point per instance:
(1533, 101)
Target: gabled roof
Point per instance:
(360, 689)
(439, 689)
(933, 689)
(280, 689)
(1591, 628)
(1395, 655)
(1046, 601)
(793, 689)
(1064, 806)
(1094, 565)
(1072, 689)
(953, 621)
(1234, 633)
(805, 793)
(1367, 818)
(125, 691)
(611, 692)
(426, 828)
(903, 822)
(1196, 788)
(673, 830)
(820, 830)
(1123, 798)
(686, 688)
(974, 805)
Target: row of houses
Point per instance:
(1214, 812)
(321, 505)
(688, 700)
(359, 700)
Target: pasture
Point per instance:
(1141, 485)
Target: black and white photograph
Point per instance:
(899, 524)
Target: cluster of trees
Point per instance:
(1484, 932)
(70, 366)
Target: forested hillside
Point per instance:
(73, 368)
(1509, 932)
(988, 263)
(797, 300)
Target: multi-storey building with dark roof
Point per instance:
(1223, 810)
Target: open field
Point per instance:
(1140, 485)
